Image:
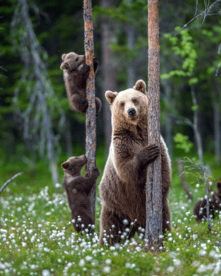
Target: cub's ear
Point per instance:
(110, 96)
(63, 56)
(140, 86)
(65, 165)
(218, 184)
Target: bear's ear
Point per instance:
(65, 165)
(140, 86)
(63, 56)
(110, 96)
(218, 184)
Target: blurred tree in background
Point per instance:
(121, 48)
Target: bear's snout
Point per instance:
(132, 112)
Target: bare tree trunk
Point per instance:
(109, 76)
(90, 92)
(195, 127)
(153, 186)
(183, 180)
(217, 137)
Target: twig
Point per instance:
(7, 182)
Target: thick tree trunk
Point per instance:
(153, 186)
(217, 137)
(109, 75)
(68, 138)
(90, 92)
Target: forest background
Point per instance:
(189, 63)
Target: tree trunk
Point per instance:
(90, 96)
(153, 186)
(109, 75)
(216, 114)
(68, 138)
(195, 127)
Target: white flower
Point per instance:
(176, 262)
(106, 269)
(23, 244)
(108, 261)
(125, 221)
(202, 252)
(170, 269)
(201, 268)
(82, 262)
(46, 249)
(127, 265)
(45, 272)
(88, 258)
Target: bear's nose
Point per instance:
(131, 112)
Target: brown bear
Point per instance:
(122, 186)
(77, 188)
(75, 76)
(200, 209)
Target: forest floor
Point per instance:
(37, 236)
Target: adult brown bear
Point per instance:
(122, 186)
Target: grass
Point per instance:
(37, 237)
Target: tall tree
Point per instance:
(153, 186)
(90, 92)
(109, 74)
(37, 117)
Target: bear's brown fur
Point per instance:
(122, 186)
(200, 209)
(77, 188)
(76, 74)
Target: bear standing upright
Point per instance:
(77, 188)
(76, 74)
(122, 186)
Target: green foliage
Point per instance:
(185, 48)
(182, 142)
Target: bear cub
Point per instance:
(75, 75)
(200, 210)
(77, 188)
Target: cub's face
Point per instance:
(74, 164)
(72, 61)
(129, 105)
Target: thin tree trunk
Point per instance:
(195, 127)
(183, 180)
(153, 186)
(217, 137)
(109, 75)
(90, 92)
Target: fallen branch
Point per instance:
(7, 182)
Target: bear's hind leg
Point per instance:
(166, 216)
(98, 105)
(78, 103)
(111, 224)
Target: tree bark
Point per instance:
(90, 96)
(153, 186)
(109, 75)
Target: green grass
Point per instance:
(37, 237)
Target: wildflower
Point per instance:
(45, 272)
(106, 269)
(170, 269)
(108, 261)
(88, 258)
(82, 262)
(125, 221)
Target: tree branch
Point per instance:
(7, 182)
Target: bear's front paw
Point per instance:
(86, 68)
(95, 171)
(151, 152)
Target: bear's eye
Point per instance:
(76, 59)
(134, 101)
(122, 104)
